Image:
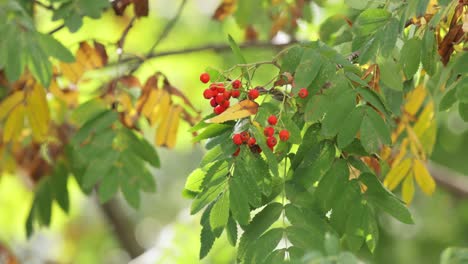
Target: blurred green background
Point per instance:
(163, 225)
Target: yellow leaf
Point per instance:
(396, 174)
(167, 131)
(7, 105)
(14, 124)
(407, 190)
(423, 178)
(403, 149)
(415, 145)
(70, 97)
(242, 109)
(87, 58)
(161, 109)
(425, 119)
(415, 99)
(154, 98)
(37, 112)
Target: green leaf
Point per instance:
(357, 4)
(43, 201)
(304, 238)
(390, 75)
(291, 59)
(99, 167)
(316, 108)
(142, 148)
(374, 131)
(131, 194)
(347, 258)
(410, 57)
(207, 237)
(429, 55)
(390, 36)
(58, 181)
(350, 127)
(337, 113)
(259, 224)
(315, 164)
(239, 200)
(462, 90)
(371, 20)
(381, 197)
(100, 122)
(355, 229)
(374, 99)
(73, 12)
(307, 70)
(211, 131)
(206, 197)
(265, 244)
(460, 65)
(220, 212)
(332, 184)
(54, 48)
(236, 50)
(294, 131)
(38, 62)
(109, 184)
(231, 231)
(463, 111)
(369, 49)
(310, 139)
(342, 204)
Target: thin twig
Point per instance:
(56, 29)
(121, 41)
(212, 47)
(168, 27)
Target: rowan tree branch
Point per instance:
(167, 29)
(123, 228)
(455, 184)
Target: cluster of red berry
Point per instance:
(245, 138)
(269, 132)
(219, 96)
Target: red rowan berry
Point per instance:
(235, 93)
(204, 77)
(219, 99)
(214, 87)
(237, 139)
(245, 136)
(213, 102)
(268, 131)
(251, 142)
(220, 88)
(303, 93)
(236, 84)
(226, 104)
(208, 94)
(284, 135)
(219, 109)
(272, 120)
(227, 95)
(271, 142)
(253, 94)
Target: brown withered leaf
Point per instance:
(87, 58)
(225, 9)
(250, 35)
(140, 7)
